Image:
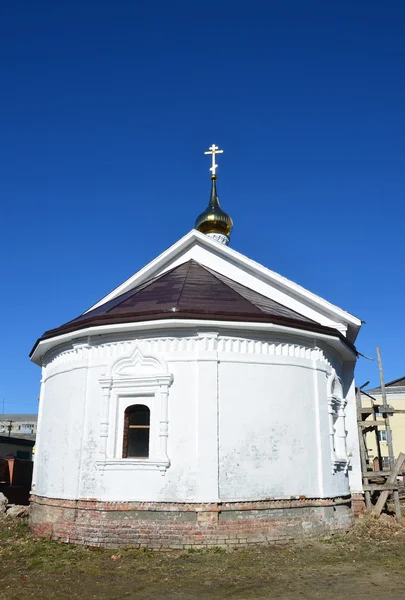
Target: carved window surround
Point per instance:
(337, 425)
(132, 380)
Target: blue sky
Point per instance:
(106, 110)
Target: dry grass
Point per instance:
(368, 560)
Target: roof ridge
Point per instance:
(251, 301)
(188, 263)
(215, 275)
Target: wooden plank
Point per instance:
(363, 451)
(358, 403)
(380, 409)
(382, 383)
(391, 479)
(367, 410)
(372, 423)
(398, 512)
(374, 487)
(397, 504)
(369, 430)
(379, 453)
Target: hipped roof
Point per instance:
(190, 291)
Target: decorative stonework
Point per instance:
(190, 345)
(219, 237)
(137, 365)
(134, 378)
(337, 427)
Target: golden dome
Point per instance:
(214, 219)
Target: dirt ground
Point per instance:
(367, 562)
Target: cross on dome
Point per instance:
(213, 150)
(214, 221)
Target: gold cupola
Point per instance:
(214, 221)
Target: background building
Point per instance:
(18, 424)
(395, 391)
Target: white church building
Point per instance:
(205, 401)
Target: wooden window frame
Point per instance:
(127, 426)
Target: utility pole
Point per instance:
(9, 427)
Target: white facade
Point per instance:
(238, 411)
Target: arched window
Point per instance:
(136, 432)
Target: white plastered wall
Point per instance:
(58, 454)
(247, 419)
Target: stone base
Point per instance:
(166, 525)
(358, 505)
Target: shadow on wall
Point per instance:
(15, 479)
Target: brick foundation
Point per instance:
(178, 525)
(358, 505)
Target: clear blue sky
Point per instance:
(106, 109)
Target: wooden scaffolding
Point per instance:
(378, 485)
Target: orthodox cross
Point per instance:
(213, 150)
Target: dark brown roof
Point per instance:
(189, 291)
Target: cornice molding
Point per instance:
(122, 354)
(125, 333)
